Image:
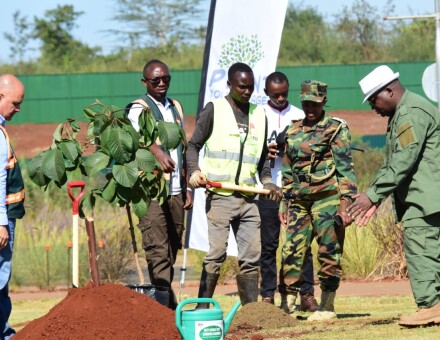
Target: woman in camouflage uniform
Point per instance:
(318, 183)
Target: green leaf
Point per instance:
(145, 160)
(35, 169)
(58, 132)
(89, 112)
(109, 191)
(53, 164)
(135, 136)
(140, 208)
(69, 149)
(126, 175)
(90, 129)
(147, 126)
(74, 175)
(169, 134)
(96, 162)
(100, 123)
(120, 114)
(75, 126)
(62, 181)
(87, 205)
(118, 142)
(69, 165)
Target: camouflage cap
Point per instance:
(313, 90)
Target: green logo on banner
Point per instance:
(248, 50)
(211, 333)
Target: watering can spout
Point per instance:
(227, 321)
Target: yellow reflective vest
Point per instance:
(230, 156)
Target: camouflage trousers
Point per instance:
(309, 219)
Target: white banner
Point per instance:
(238, 31)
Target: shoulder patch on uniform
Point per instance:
(406, 135)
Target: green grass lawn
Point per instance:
(24, 311)
(358, 318)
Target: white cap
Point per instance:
(377, 79)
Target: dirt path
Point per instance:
(347, 288)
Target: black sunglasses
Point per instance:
(156, 81)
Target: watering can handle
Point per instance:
(187, 302)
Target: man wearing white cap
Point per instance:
(411, 173)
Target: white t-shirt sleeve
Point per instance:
(133, 115)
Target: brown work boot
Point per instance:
(268, 299)
(309, 303)
(424, 316)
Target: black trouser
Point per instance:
(162, 229)
(270, 234)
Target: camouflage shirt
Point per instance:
(317, 161)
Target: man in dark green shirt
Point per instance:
(411, 174)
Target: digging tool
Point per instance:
(75, 234)
(234, 187)
(133, 243)
(182, 273)
(94, 272)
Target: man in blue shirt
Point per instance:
(11, 194)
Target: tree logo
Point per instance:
(242, 48)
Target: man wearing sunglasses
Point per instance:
(162, 226)
(411, 174)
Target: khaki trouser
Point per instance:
(241, 214)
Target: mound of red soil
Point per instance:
(106, 312)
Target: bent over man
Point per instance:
(411, 174)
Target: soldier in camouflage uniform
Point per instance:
(318, 183)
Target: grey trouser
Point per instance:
(242, 215)
(162, 229)
(422, 253)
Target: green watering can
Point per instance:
(203, 324)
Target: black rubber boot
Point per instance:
(247, 285)
(208, 281)
(163, 297)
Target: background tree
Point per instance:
(59, 47)
(414, 41)
(19, 39)
(304, 37)
(362, 33)
(170, 30)
(163, 23)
